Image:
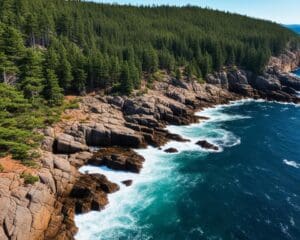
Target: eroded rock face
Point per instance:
(46, 209)
(90, 193)
(25, 210)
(267, 83)
(286, 62)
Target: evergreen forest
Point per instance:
(50, 48)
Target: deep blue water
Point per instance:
(297, 72)
(250, 189)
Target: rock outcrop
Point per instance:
(207, 145)
(286, 62)
(46, 209)
(118, 159)
(171, 150)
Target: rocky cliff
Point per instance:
(45, 210)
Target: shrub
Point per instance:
(29, 178)
(1, 168)
(30, 163)
(72, 104)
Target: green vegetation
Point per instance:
(19, 120)
(29, 178)
(49, 48)
(1, 168)
(58, 46)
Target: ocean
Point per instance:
(297, 72)
(248, 189)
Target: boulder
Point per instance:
(138, 106)
(103, 136)
(90, 193)
(205, 144)
(238, 83)
(220, 79)
(127, 183)
(118, 159)
(115, 100)
(267, 83)
(47, 144)
(171, 150)
(47, 178)
(62, 164)
(97, 135)
(79, 159)
(67, 145)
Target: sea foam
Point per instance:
(291, 163)
(121, 214)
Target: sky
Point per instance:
(280, 11)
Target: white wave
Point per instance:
(291, 163)
(119, 214)
(207, 130)
(252, 100)
(113, 176)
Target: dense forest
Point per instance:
(49, 48)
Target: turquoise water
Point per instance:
(249, 189)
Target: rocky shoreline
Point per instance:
(114, 125)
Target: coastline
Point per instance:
(155, 158)
(116, 125)
(157, 163)
(160, 155)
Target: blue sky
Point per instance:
(281, 11)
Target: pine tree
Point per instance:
(51, 59)
(126, 83)
(178, 74)
(166, 60)
(79, 81)
(134, 76)
(11, 44)
(104, 72)
(188, 72)
(231, 57)
(115, 70)
(217, 57)
(32, 77)
(6, 68)
(64, 70)
(206, 64)
(150, 60)
(78, 62)
(53, 93)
